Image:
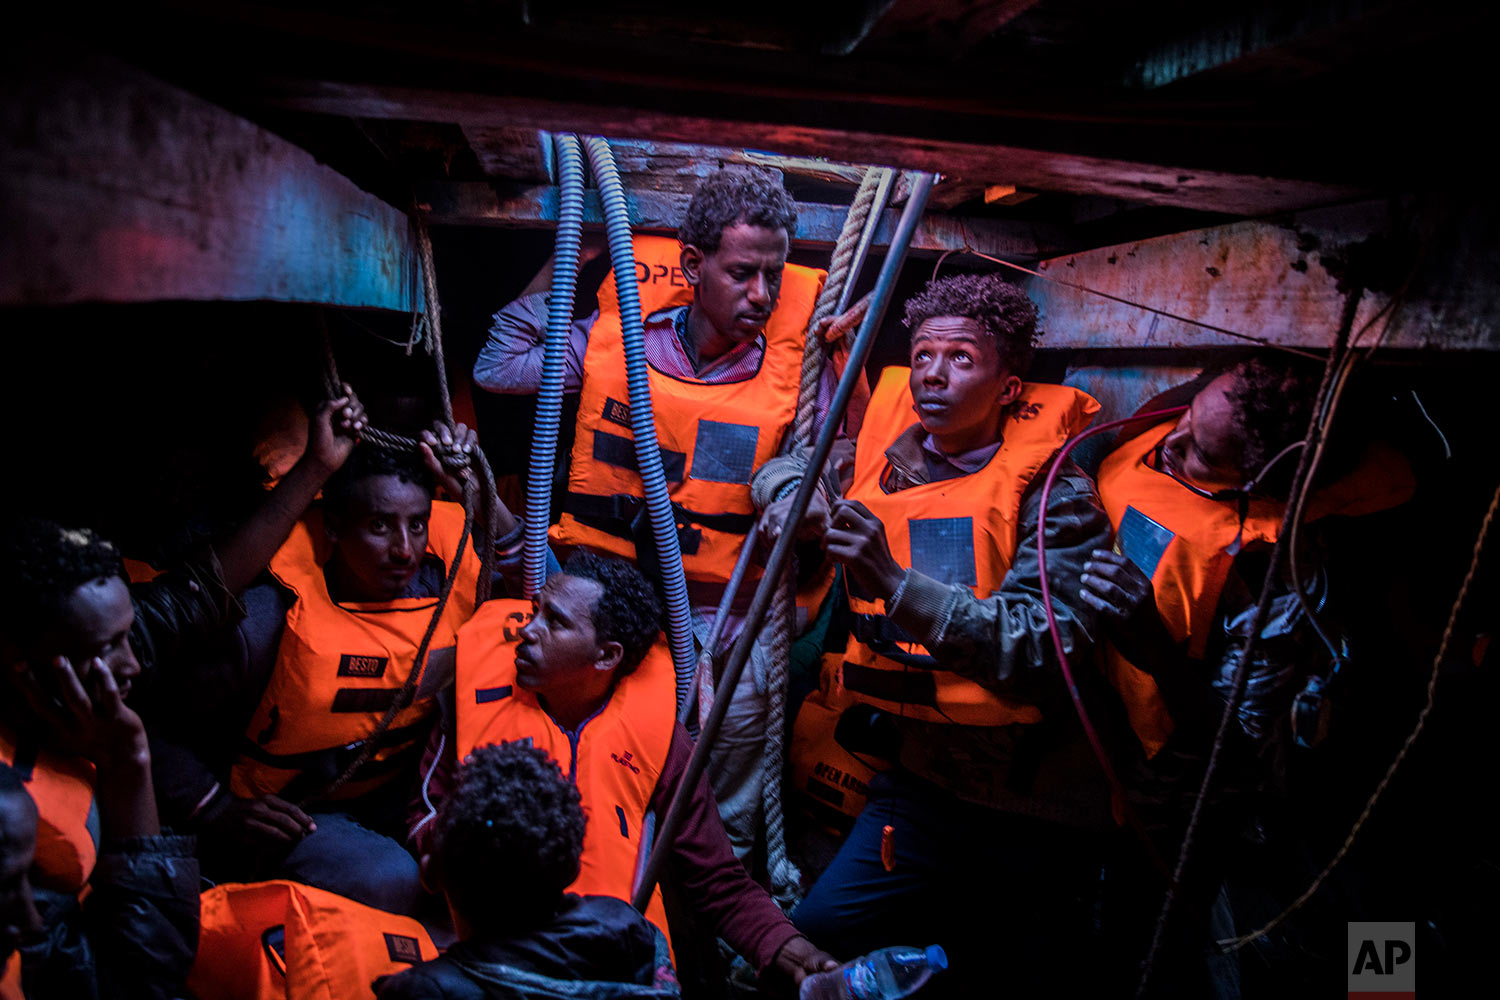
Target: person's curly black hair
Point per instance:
(1001, 309)
(628, 610)
(43, 564)
(736, 194)
(1272, 396)
(368, 460)
(509, 837)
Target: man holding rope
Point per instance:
(286, 782)
(990, 792)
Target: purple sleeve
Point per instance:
(510, 361)
(711, 878)
(824, 401)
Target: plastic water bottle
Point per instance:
(881, 975)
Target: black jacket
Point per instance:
(596, 946)
(135, 935)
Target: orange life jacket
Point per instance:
(140, 571)
(1187, 543)
(712, 436)
(340, 666)
(617, 758)
(67, 829)
(959, 530)
(835, 781)
(287, 941)
(10, 980)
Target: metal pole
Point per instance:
(782, 552)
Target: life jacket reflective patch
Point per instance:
(281, 939)
(616, 760)
(340, 666)
(958, 531)
(943, 548)
(1186, 544)
(67, 830)
(1142, 540)
(712, 436)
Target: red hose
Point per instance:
(1095, 743)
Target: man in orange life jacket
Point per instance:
(724, 328)
(322, 652)
(588, 684)
(82, 753)
(1198, 502)
(993, 795)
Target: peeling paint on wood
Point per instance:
(1030, 169)
(1282, 282)
(116, 187)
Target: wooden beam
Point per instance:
(1247, 35)
(953, 26)
(1284, 282)
(116, 187)
(1033, 169)
(523, 154)
(522, 207)
(954, 191)
(812, 168)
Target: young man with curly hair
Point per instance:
(81, 753)
(587, 683)
(83, 653)
(989, 797)
(725, 319)
(505, 848)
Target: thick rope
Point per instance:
(479, 494)
(1305, 471)
(838, 273)
(786, 880)
(1235, 944)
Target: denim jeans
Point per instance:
(344, 857)
(1009, 897)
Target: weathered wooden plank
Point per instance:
(518, 206)
(523, 154)
(953, 26)
(117, 187)
(801, 166)
(1032, 169)
(1282, 282)
(1245, 35)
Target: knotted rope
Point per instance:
(479, 495)
(786, 880)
